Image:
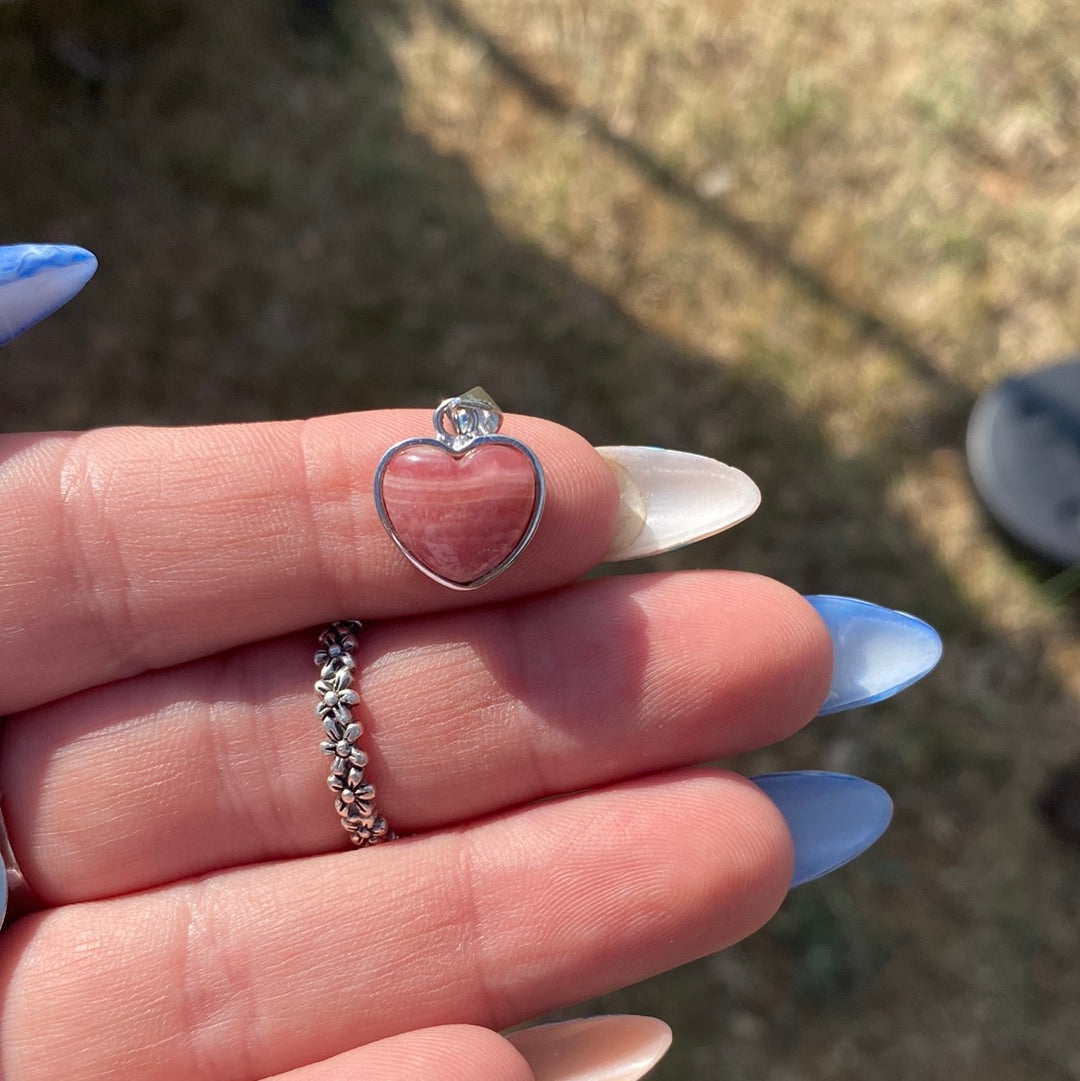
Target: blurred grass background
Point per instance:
(798, 236)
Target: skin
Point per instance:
(536, 740)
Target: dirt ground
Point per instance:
(801, 236)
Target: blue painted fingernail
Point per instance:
(877, 652)
(833, 817)
(35, 280)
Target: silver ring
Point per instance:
(17, 899)
(354, 798)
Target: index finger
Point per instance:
(162, 545)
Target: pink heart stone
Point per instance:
(459, 517)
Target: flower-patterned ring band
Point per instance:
(354, 797)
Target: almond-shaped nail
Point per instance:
(833, 817)
(669, 498)
(35, 280)
(617, 1047)
(877, 652)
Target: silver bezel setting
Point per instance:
(462, 425)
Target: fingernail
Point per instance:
(669, 498)
(833, 817)
(618, 1047)
(35, 280)
(877, 652)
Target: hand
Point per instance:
(534, 742)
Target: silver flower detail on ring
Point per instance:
(354, 797)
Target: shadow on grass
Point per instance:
(770, 251)
(275, 242)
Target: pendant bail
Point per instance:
(461, 420)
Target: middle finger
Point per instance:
(216, 763)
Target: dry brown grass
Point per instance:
(801, 236)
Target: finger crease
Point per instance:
(95, 557)
(474, 944)
(239, 752)
(329, 566)
(218, 1021)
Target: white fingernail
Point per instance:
(669, 498)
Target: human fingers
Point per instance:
(216, 763)
(163, 545)
(160, 545)
(263, 969)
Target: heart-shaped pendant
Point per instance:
(462, 506)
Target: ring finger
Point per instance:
(263, 969)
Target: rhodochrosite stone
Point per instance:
(460, 517)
